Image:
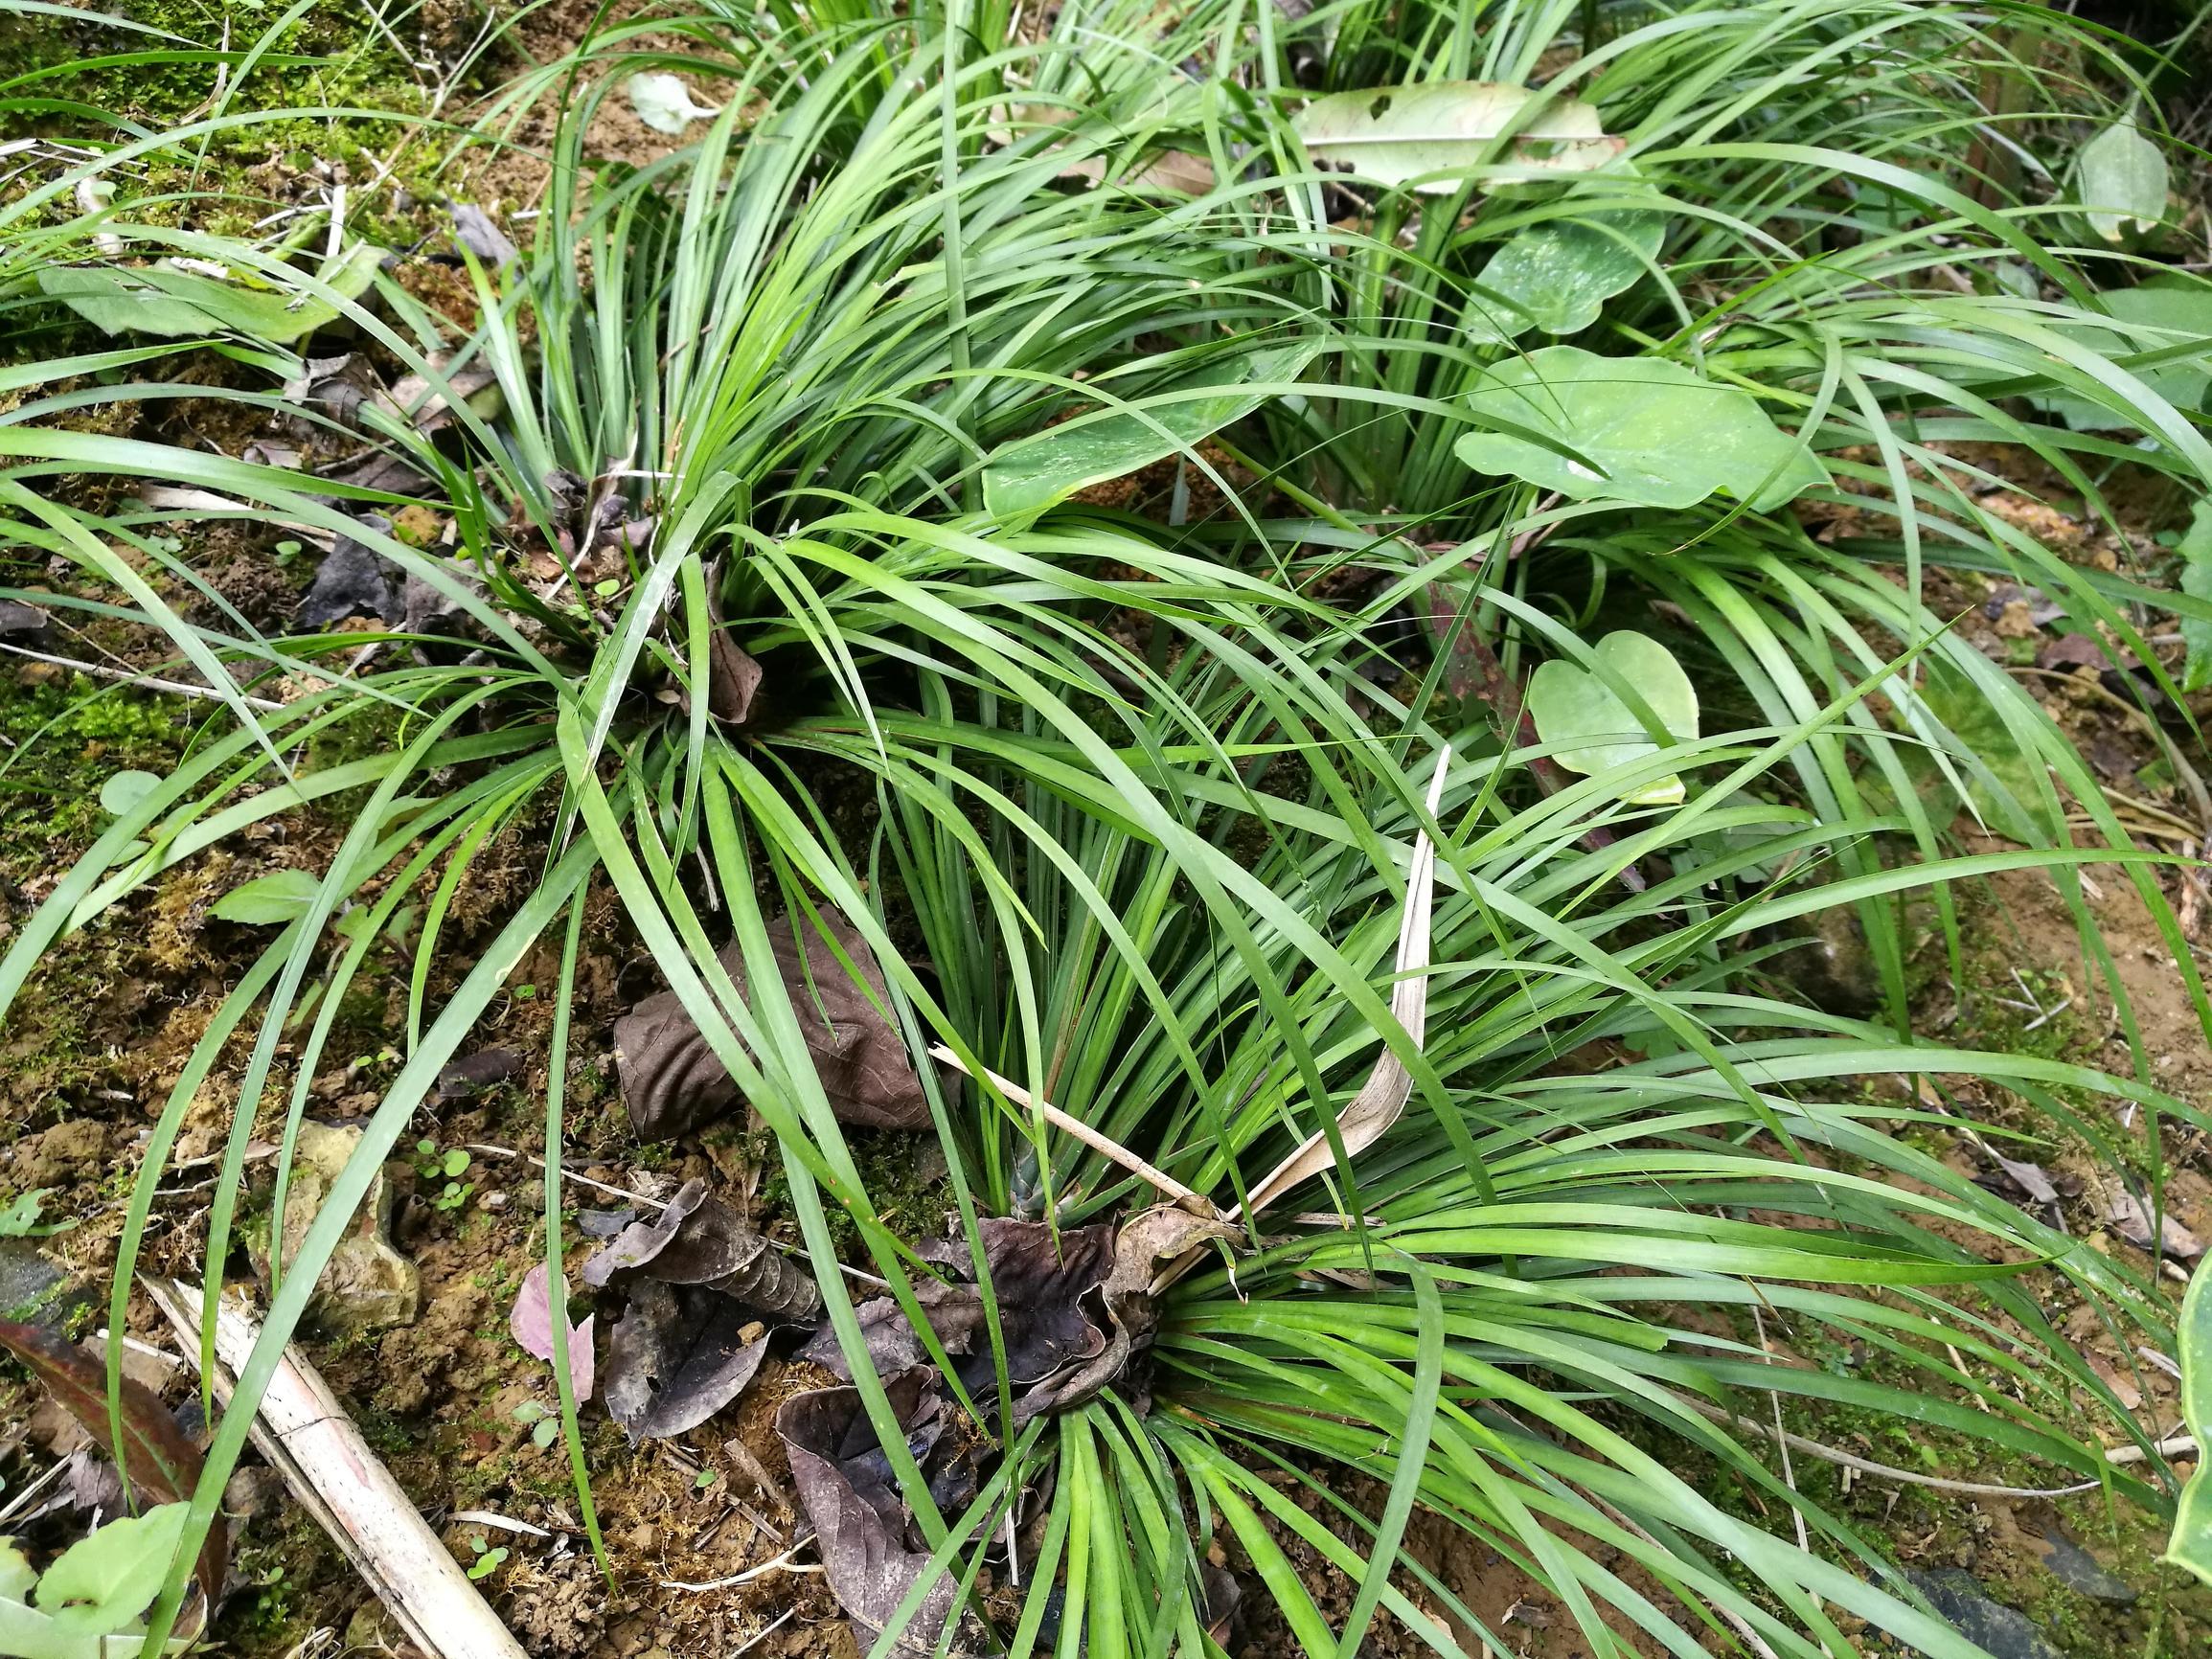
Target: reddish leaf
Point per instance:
(157, 1457)
(532, 1324)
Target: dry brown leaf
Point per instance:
(1389, 1085)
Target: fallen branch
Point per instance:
(300, 1427)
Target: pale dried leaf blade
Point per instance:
(1389, 1085)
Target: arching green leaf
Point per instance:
(1439, 132)
(1556, 276)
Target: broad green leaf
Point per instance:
(16, 1575)
(2121, 178)
(2181, 304)
(160, 299)
(664, 103)
(107, 1579)
(1645, 430)
(126, 789)
(2191, 1544)
(1592, 730)
(1440, 132)
(267, 900)
(2195, 552)
(1557, 276)
(1028, 476)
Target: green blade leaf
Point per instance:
(1440, 132)
(1650, 432)
(2191, 1544)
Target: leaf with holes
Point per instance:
(1640, 430)
(1442, 133)
(1558, 275)
(1591, 727)
(1032, 474)
(2120, 179)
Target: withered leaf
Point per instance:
(732, 679)
(676, 1357)
(861, 1524)
(672, 1081)
(532, 1324)
(700, 1240)
(1165, 1233)
(157, 1457)
(955, 1315)
(2132, 1218)
(1389, 1085)
(480, 234)
(473, 1074)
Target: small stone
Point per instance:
(495, 1201)
(34, 1290)
(366, 1285)
(751, 1333)
(2080, 1571)
(251, 1494)
(2003, 1632)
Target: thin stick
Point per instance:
(1082, 1131)
(782, 1563)
(306, 1436)
(752, 1642)
(567, 1174)
(150, 682)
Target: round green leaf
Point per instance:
(126, 789)
(1642, 430)
(1556, 276)
(1590, 727)
(267, 900)
(107, 1579)
(2121, 176)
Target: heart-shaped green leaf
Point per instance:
(1590, 727)
(1028, 476)
(1441, 132)
(1556, 276)
(2179, 304)
(267, 900)
(1643, 430)
(106, 1579)
(2120, 180)
(125, 790)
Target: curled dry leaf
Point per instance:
(2133, 1220)
(480, 234)
(699, 1240)
(532, 1324)
(158, 1459)
(679, 1353)
(354, 579)
(861, 1523)
(1389, 1085)
(672, 1081)
(1165, 1233)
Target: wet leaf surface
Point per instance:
(672, 1081)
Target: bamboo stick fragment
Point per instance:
(307, 1436)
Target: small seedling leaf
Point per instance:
(267, 900)
(125, 790)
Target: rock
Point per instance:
(57, 1156)
(2003, 1632)
(367, 1285)
(35, 1290)
(2080, 1571)
(1832, 969)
